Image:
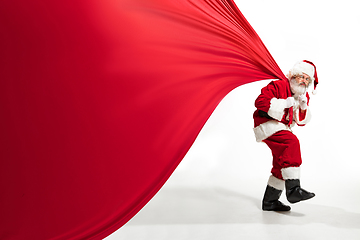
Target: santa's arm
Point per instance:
(269, 103)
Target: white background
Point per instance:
(216, 191)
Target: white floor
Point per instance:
(216, 191)
(221, 212)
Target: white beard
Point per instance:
(296, 88)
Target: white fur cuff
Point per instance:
(277, 107)
(307, 117)
(291, 173)
(277, 183)
(268, 128)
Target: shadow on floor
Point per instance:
(222, 206)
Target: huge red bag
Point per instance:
(101, 100)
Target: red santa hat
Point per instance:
(308, 68)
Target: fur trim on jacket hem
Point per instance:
(266, 129)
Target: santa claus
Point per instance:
(280, 106)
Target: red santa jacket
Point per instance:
(271, 114)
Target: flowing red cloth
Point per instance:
(101, 100)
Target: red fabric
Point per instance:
(285, 148)
(302, 115)
(100, 101)
(291, 115)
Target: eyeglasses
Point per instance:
(302, 77)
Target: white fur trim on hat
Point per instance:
(303, 67)
(291, 173)
(277, 183)
(314, 91)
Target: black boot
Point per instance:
(295, 193)
(271, 200)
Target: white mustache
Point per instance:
(298, 88)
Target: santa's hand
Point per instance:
(290, 102)
(303, 102)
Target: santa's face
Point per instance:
(303, 79)
(299, 84)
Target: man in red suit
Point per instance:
(280, 106)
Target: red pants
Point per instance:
(285, 148)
